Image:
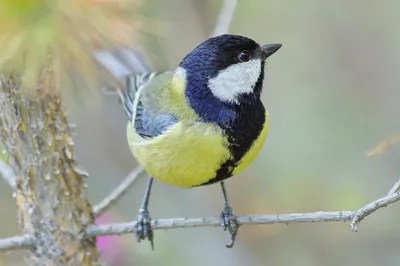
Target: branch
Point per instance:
(16, 242)
(391, 197)
(372, 207)
(51, 196)
(8, 175)
(174, 223)
(126, 228)
(20, 242)
(26, 241)
(395, 188)
(225, 17)
(120, 190)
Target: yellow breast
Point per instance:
(186, 155)
(189, 154)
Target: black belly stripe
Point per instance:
(241, 136)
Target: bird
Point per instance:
(200, 123)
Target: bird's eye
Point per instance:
(244, 56)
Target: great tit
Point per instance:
(201, 123)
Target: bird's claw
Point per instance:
(143, 227)
(229, 222)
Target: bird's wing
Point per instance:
(145, 101)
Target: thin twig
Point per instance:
(126, 228)
(225, 17)
(16, 242)
(8, 175)
(395, 188)
(117, 192)
(372, 207)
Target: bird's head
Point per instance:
(228, 66)
(222, 73)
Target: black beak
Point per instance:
(269, 49)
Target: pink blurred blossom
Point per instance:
(111, 247)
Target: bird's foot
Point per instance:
(229, 222)
(143, 227)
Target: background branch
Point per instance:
(16, 242)
(225, 17)
(117, 192)
(8, 175)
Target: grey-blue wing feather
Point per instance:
(148, 123)
(121, 62)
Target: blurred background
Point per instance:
(333, 93)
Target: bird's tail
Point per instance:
(126, 66)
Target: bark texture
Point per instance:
(51, 196)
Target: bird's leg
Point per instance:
(143, 226)
(228, 218)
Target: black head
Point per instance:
(218, 53)
(222, 69)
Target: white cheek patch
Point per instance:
(235, 80)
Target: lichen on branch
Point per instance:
(51, 196)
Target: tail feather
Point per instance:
(128, 96)
(122, 62)
(131, 68)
